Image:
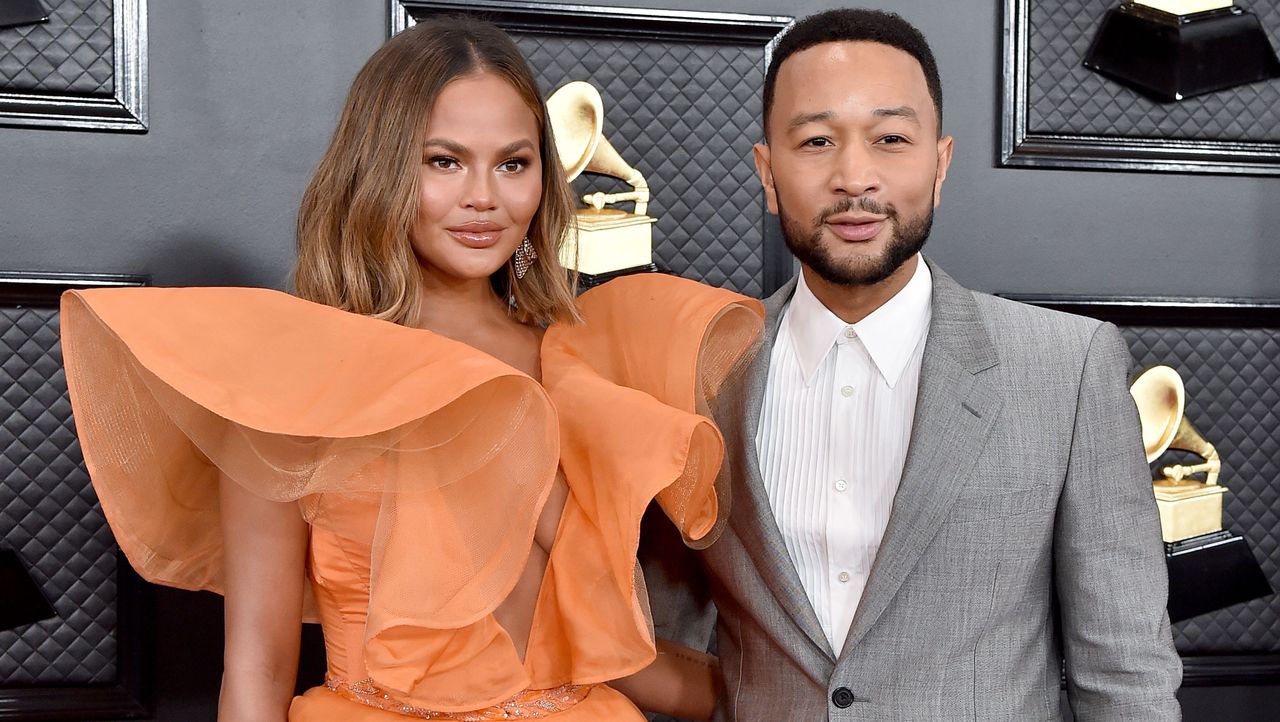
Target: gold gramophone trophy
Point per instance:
(607, 241)
(1209, 568)
(1188, 507)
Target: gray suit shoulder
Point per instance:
(1021, 331)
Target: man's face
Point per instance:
(854, 165)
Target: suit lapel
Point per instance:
(955, 409)
(752, 517)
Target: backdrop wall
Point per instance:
(244, 96)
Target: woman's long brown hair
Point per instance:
(354, 224)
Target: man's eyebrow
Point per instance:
(902, 111)
(806, 118)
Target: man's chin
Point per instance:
(857, 259)
(863, 269)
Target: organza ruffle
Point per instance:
(432, 460)
(177, 390)
(633, 386)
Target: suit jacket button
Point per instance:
(842, 697)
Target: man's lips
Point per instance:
(855, 230)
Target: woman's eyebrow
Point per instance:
(448, 145)
(510, 148)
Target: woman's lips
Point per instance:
(856, 232)
(476, 237)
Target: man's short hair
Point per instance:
(854, 25)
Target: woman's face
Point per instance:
(480, 180)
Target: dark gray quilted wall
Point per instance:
(1065, 97)
(1232, 378)
(50, 516)
(684, 114)
(71, 53)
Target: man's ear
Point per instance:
(945, 146)
(765, 171)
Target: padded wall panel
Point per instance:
(685, 114)
(49, 514)
(89, 660)
(72, 52)
(1228, 354)
(1232, 377)
(1065, 97)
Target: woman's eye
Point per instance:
(443, 162)
(513, 165)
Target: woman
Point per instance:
(454, 495)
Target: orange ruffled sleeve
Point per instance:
(177, 390)
(633, 386)
(174, 390)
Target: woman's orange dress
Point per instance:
(421, 466)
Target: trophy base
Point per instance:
(1171, 57)
(587, 281)
(1211, 572)
(22, 12)
(608, 241)
(21, 602)
(1188, 508)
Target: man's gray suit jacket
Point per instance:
(1024, 532)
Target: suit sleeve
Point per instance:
(1110, 573)
(679, 596)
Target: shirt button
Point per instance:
(843, 577)
(846, 391)
(841, 485)
(849, 333)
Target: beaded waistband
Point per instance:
(529, 704)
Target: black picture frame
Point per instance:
(130, 695)
(1020, 147)
(626, 22)
(1178, 312)
(124, 111)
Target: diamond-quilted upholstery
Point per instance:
(71, 53)
(50, 515)
(1232, 377)
(1065, 97)
(685, 114)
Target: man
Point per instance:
(937, 495)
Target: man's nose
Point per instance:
(856, 172)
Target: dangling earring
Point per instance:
(524, 257)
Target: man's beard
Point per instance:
(906, 241)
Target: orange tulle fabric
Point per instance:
(421, 466)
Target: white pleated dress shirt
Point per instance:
(834, 425)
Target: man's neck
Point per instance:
(854, 303)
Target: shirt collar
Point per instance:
(890, 333)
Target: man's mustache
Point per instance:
(861, 203)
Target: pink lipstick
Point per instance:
(477, 234)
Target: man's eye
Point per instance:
(893, 139)
(817, 142)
